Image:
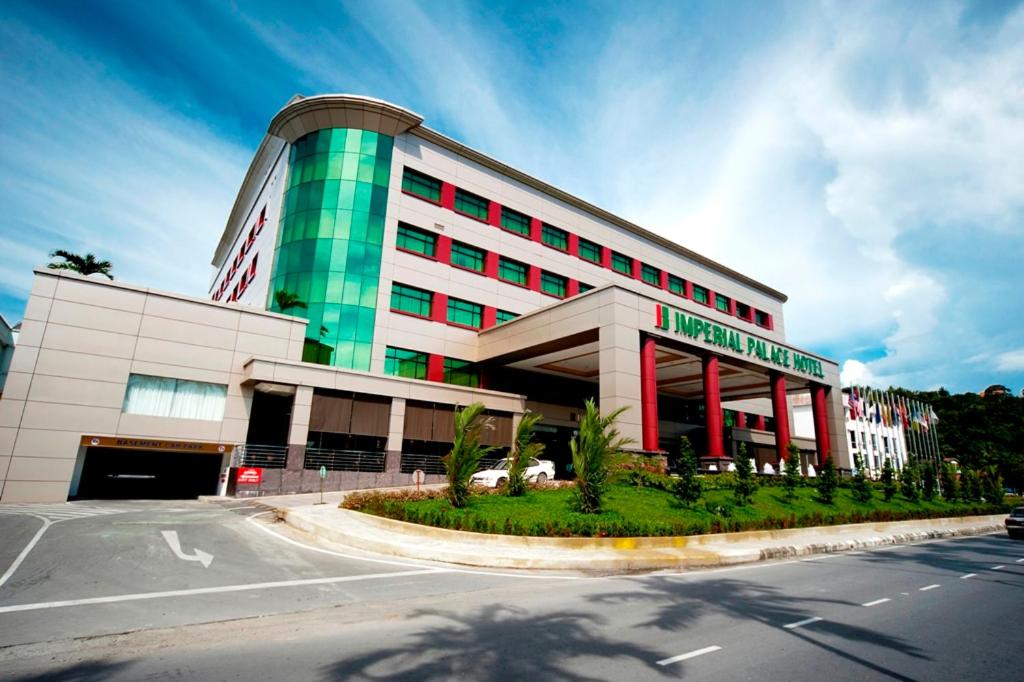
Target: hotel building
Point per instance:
(373, 275)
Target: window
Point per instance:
(650, 274)
(504, 316)
(465, 313)
(416, 240)
(885, 444)
(405, 363)
(553, 284)
(584, 287)
(622, 264)
(677, 285)
(411, 300)
(421, 185)
(177, 398)
(458, 372)
(471, 204)
(466, 256)
(512, 271)
(514, 221)
(700, 294)
(874, 442)
(761, 318)
(553, 236)
(590, 251)
(722, 303)
(742, 311)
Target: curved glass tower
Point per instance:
(328, 253)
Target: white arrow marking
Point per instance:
(172, 539)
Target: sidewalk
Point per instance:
(601, 555)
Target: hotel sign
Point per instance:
(711, 334)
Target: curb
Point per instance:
(615, 555)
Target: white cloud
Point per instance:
(1011, 361)
(856, 373)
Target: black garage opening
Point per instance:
(118, 474)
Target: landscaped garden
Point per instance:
(618, 496)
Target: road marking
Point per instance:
(968, 575)
(1020, 561)
(28, 548)
(801, 623)
(251, 519)
(876, 602)
(691, 654)
(198, 555)
(928, 587)
(996, 568)
(211, 590)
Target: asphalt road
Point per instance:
(946, 610)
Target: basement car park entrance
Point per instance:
(164, 471)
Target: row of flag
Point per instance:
(885, 408)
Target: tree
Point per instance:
(688, 487)
(83, 265)
(928, 481)
(285, 300)
(888, 480)
(970, 485)
(828, 481)
(464, 458)
(950, 486)
(745, 483)
(909, 482)
(992, 485)
(791, 476)
(595, 446)
(524, 448)
(861, 485)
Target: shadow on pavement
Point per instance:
(962, 556)
(500, 643)
(86, 671)
(677, 605)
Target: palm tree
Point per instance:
(524, 448)
(462, 462)
(593, 450)
(84, 265)
(285, 299)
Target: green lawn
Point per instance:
(629, 511)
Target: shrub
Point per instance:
(745, 483)
(791, 476)
(992, 485)
(950, 486)
(688, 487)
(861, 486)
(970, 486)
(464, 458)
(593, 449)
(828, 480)
(909, 482)
(888, 480)
(928, 481)
(524, 448)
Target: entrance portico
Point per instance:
(675, 370)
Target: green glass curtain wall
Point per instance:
(329, 245)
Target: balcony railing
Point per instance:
(344, 460)
(264, 456)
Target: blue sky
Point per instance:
(865, 158)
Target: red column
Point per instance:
(649, 393)
(606, 257)
(780, 412)
(713, 407)
(637, 265)
(494, 214)
(574, 244)
(572, 288)
(443, 252)
(533, 278)
(435, 367)
(439, 308)
(490, 317)
(491, 265)
(741, 420)
(536, 230)
(448, 196)
(759, 423)
(818, 411)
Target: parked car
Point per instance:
(496, 476)
(1015, 523)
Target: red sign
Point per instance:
(250, 475)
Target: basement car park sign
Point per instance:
(711, 334)
(154, 444)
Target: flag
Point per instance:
(878, 414)
(854, 403)
(934, 417)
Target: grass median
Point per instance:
(629, 511)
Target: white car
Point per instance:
(539, 470)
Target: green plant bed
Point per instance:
(631, 511)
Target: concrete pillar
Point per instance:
(741, 420)
(619, 382)
(759, 422)
(396, 432)
(649, 393)
(298, 432)
(780, 412)
(712, 407)
(818, 413)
